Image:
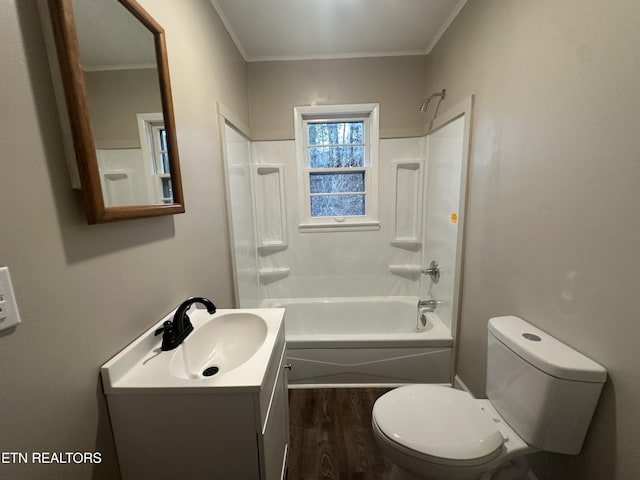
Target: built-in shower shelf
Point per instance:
(270, 207)
(270, 275)
(407, 195)
(116, 174)
(412, 272)
(264, 250)
(266, 169)
(408, 244)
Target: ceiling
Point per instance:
(109, 37)
(265, 30)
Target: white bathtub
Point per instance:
(363, 340)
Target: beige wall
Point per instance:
(85, 291)
(553, 226)
(394, 82)
(115, 97)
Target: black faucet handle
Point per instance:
(166, 328)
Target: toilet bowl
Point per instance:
(436, 432)
(541, 396)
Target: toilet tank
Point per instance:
(545, 390)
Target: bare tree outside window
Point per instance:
(338, 148)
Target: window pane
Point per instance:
(336, 133)
(337, 182)
(336, 157)
(167, 190)
(163, 139)
(337, 205)
(165, 163)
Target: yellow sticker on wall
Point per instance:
(454, 217)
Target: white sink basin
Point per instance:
(219, 345)
(238, 343)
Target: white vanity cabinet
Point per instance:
(213, 433)
(273, 440)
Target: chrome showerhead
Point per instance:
(425, 104)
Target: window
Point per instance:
(153, 141)
(337, 149)
(160, 154)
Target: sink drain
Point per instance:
(208, 372)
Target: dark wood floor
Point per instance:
(331, 435)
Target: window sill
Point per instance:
(339, 227)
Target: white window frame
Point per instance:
(148, 126)
(369, 113)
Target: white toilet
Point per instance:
(541, 396)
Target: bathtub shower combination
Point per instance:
(366, 340)
(351, 294)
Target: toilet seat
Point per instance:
(412, 417)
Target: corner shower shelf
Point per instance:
(412, 272)
(270, 275)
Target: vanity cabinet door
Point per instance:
(275, 437)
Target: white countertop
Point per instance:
(142, 368)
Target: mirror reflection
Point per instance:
(117, 57)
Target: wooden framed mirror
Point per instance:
(115, 76)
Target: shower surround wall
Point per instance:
(418, 223)
(237, 149)
(443, 209)
(339, 264)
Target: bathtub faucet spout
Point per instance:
(430, 305)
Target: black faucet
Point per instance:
(174, 332)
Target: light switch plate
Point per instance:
(9, 315)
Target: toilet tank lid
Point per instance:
(544, 351)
